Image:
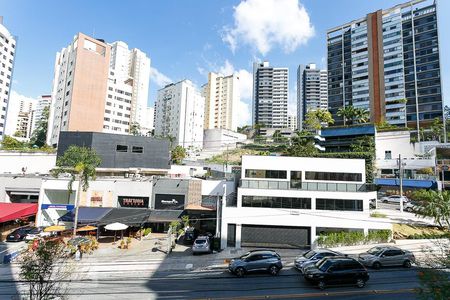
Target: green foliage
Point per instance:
(426, 171)
(425, 236)
(135, 128)
(178, 154)
(39, 135)
(78, 161)
(363, 144)
(10, 143)
(146, 231)
(377, 215)
(302, 145)
(336, 239)
(352, 115)
(437, 129)
(315, 118)
(175, 225)
(434, 204)
(185, 221)
(434, 284)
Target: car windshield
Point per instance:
(200, 241)
(245, 255)
(309, 254)
(375, 250)
(34, 231)
(325, 264)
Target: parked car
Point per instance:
(411, 206)
(337, 270)
(35, 233)
(18, 234)
(313, 256)
(394, 199)
(259, 260)
(202, 244)
(378, 257)
(190, 235)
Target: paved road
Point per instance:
(145, 280)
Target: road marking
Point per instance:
(321, 294)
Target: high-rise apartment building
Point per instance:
(149, 125)
(292, 122)
(221, 101)
(388, 62)
(312, 91)
(43, 102)
(179, 114)
(270, 95)
(20, 116)
(98, 87)
(7, 54)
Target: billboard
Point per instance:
(133, 201)
(169, 201)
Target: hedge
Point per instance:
(336, 239)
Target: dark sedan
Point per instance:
(18, 234)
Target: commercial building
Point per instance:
(179, 114)
(270, 95)
(7, 55)
(288, 201)
(20, 116)
(378, 61)
(221, 101)
(110, 80)
(312, 91)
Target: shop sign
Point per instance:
(133, 201)
(169, 201)
(58, 206)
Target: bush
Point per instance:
(377, 215)
(336, 239)
(146, 231)
(424, 236)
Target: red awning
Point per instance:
(12, 211)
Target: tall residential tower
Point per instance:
(388, 62)
(270, 95)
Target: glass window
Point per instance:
(274, 174)
(387, 155)
(339, 204)
(276, 202)
(121, 148)
(137, 149)
(333, 176)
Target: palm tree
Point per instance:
(434, 204)
(361, 115)
(347, 113)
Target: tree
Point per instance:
(45, 270)
(315, 119)
(434, 204)
(302, 145)
(347, 113)
(361, 115)
(135, 128)
(178, 154)
(437, 129)
(278, 137)
(39, 135)
(10, 143)
(384, 125)
(363, 144)
(80, 163)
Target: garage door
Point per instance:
(275, 236)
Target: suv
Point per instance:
(313, 256)
(257, 260)
(377, 257)
(18, 234)
(201, 245)
(337, 270)
(394, 199)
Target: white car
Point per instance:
(394, 199)
(36, 233)
(201, 245)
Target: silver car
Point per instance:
(201, 245)
(384, 256)
(313, 256)
(257, 260)
(394, 199)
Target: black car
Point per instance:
(337, 270)
(18, 234)
(190, 235)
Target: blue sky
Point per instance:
(186, 39)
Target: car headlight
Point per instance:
(310, 275)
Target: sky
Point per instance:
(188, 39)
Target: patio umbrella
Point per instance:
(55, 228)
(87, 228)
(116, 226)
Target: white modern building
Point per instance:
(179, 111)
(312, 91)
(288, 201)
(149, 125)
(43, 102)
(221, 139)
(270, 95)
(221, 101)
(20, 116)
(292, 122)
(7, 54)
(109, 79)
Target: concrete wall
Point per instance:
(37, 162)
(19, 184)
(217, 139)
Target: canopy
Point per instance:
(86, 215)
(128, 216)
(164, 216)
(87, 228)
(407, 183)
(12, 211)
(55, 228)
(116, 226)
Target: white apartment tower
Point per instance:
(43, 102)
(20, 116)
(179, 113)
(221, 101)
(98, 87)
(312, 91)
(7, 54)
(292, 122)
(270, 95)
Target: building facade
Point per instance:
(270, 95)
(221, 101)
(388, 62)
(111, 80)
(7, 55)
(20, 116)
(292, 122)
(288, 201)
(43, 103)
(312, 91)
(179, 114)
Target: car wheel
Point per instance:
(321, 285)
(385, 201)
(376, 265)
(407, 264)
(240, 272)
(273, 270)
(360, 283)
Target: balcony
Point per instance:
(306, 186)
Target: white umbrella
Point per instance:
(116, 226)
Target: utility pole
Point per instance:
(77, 203)
(400, 176)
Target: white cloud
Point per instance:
(268, 23)
(244, 115)
(159, 78)
(292, 102)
